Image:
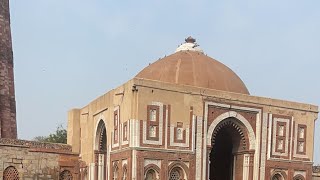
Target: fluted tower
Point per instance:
(8, 125)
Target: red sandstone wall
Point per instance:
(8, 127)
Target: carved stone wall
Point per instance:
(8, 127)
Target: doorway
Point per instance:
(227, 140)
(101, 152)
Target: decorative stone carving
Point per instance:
(125, 173)
(115, 172)
(301, 147)
(151, 175)
(280, 144)
(301, 132)
(176, 174)
(10, 173)
(179, 133)
(152, 131)
(65, 175)
(280, 130)
(316, 169)
(232, 124)
(153, 115)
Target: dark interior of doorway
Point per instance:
(221, 158)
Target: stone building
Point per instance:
(20, 159)
(188, 116)
(8, 126)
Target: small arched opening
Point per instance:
(151, 175)
(151, 172)
(10, 173)
(65, 175)
(278, 175)
(298, 177)
(177, 173)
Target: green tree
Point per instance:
(60, 136)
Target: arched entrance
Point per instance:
(101, 152)
(227, 154)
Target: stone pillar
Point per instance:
(92, 171)
(246, 167)
(101, 167)
(199, 142)
(8, 125)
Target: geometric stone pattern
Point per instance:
(276, 122)
(65, 175)
(11, 173)
(175, 175)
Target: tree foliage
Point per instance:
(60, 136)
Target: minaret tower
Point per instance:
(8, 124)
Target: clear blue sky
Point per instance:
(69, 52)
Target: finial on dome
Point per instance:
(190, 40)
(189, 45)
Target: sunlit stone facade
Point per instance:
(188, 116)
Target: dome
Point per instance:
(190, 66)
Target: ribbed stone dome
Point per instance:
(191, 67)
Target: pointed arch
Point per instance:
(242, 120)
(100, 150)
(238, 129)
(152, 172)
(100, 136)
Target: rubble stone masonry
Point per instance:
(35, 160)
